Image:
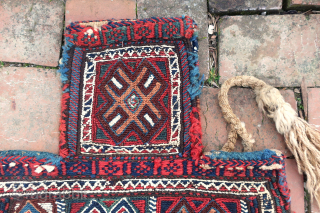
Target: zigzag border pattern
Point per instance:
(74, 101)
(89, 76)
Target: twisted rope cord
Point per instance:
(237, 127)
(302, 139)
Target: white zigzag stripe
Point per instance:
(91, 184)
(61, 206)
(152, 205)
(244, 207)
(121, 149)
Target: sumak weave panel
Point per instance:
(130, 135)
(131, 101)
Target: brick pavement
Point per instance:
(280, 50)
(242, 101)
(277, 49)
(86, 10)
(30, 109)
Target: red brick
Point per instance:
(223, 6)
(31, 31)
(314, 207)
(314, 106)
(30, 109)
(280, 50)
(301, 3)
(90, 10)
(296, 186)
(314, 118)
(242, 101)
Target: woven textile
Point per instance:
(130, 133)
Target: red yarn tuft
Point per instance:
(195, 135)
(189, 28)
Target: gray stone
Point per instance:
(293, 4)
(197, 10)
(31, 31)
(222, 6)
(280, 50)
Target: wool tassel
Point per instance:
(302, 139)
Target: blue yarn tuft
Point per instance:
(257, 155)
(49, 157)
(65, 57)
(195, 81)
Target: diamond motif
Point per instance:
(133, 101)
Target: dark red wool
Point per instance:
(63, 124)
(195, 135)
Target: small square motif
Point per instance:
(143, 31)
(116, 35)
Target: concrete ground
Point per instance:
(277, 41)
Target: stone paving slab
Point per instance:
(296, 186)
(197, 10)
(224, 6)
(314, 118)
(242, 101)
(29, 109)
(302, 3)
(277, 49)
(90, 10)
(31, 31)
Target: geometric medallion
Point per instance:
(132, 101)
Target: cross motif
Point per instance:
(145, 100)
